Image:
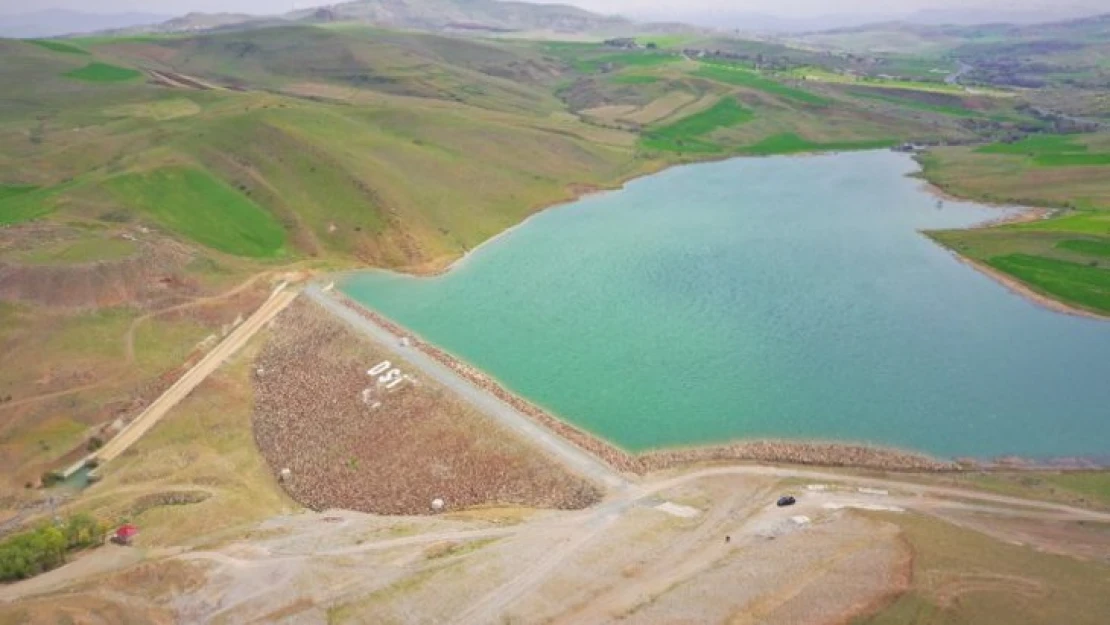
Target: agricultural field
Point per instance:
(687, 134)
(103, 72)
(1063, 257)
(741, 77)
(203, 208)
(789, 143)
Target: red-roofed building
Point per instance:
(125, 534)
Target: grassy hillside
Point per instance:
(366, 144)
(138, 174)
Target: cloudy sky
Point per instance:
(794, 8)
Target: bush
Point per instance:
(51, 478)
(95, 443)
(44, 548)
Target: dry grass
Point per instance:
(197, 472)
(963, 576)
(1009, 179)
(420, 444)
(662, 108)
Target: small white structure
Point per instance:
(286, 475)
(674, 509)
(406, 341)
(873, 491)
(800, 520)
(437, 504)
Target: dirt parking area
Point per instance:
(349, 441)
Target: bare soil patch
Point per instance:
(156, 271)
(421, 443)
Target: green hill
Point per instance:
(393, 148)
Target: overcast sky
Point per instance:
(794, 8)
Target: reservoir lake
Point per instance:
(783, 297)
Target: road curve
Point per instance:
(562, 450)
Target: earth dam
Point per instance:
(773, 298)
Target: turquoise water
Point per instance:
(778, 297)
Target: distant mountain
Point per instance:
(972, 17)
(764, 23)
(197, 22)
(459, 16)
(1001, 39)
(56, 22)
(746, 22)
(493, 15)
(1094, 26)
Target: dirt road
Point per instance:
(185, 385)
(574, 458)
(905, 495)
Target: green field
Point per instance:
(953, 111)
(790, 143)
(1084, 285)
(80, 251)
(1051, 151)
(685, 134)
(1071, 160)
(1065, 257)
(1086, 246)
(1036, 145)
(15, 190)
(103, 72)
(1080, 222)
(204, 209)
(24, 203)
(58, 46)
(741, 77)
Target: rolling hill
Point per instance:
(460, 17)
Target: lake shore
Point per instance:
(1022, 214)
(800, 452)
(788, 451)
(575, 191)
(1019, 288)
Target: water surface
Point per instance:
(777, 297)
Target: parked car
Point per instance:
(786, 500)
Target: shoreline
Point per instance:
(798, 452)
(575, 192)
(443, 264)
(834, 454)
(1016, 287)
(1023, 214)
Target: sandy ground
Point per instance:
(739, 558)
